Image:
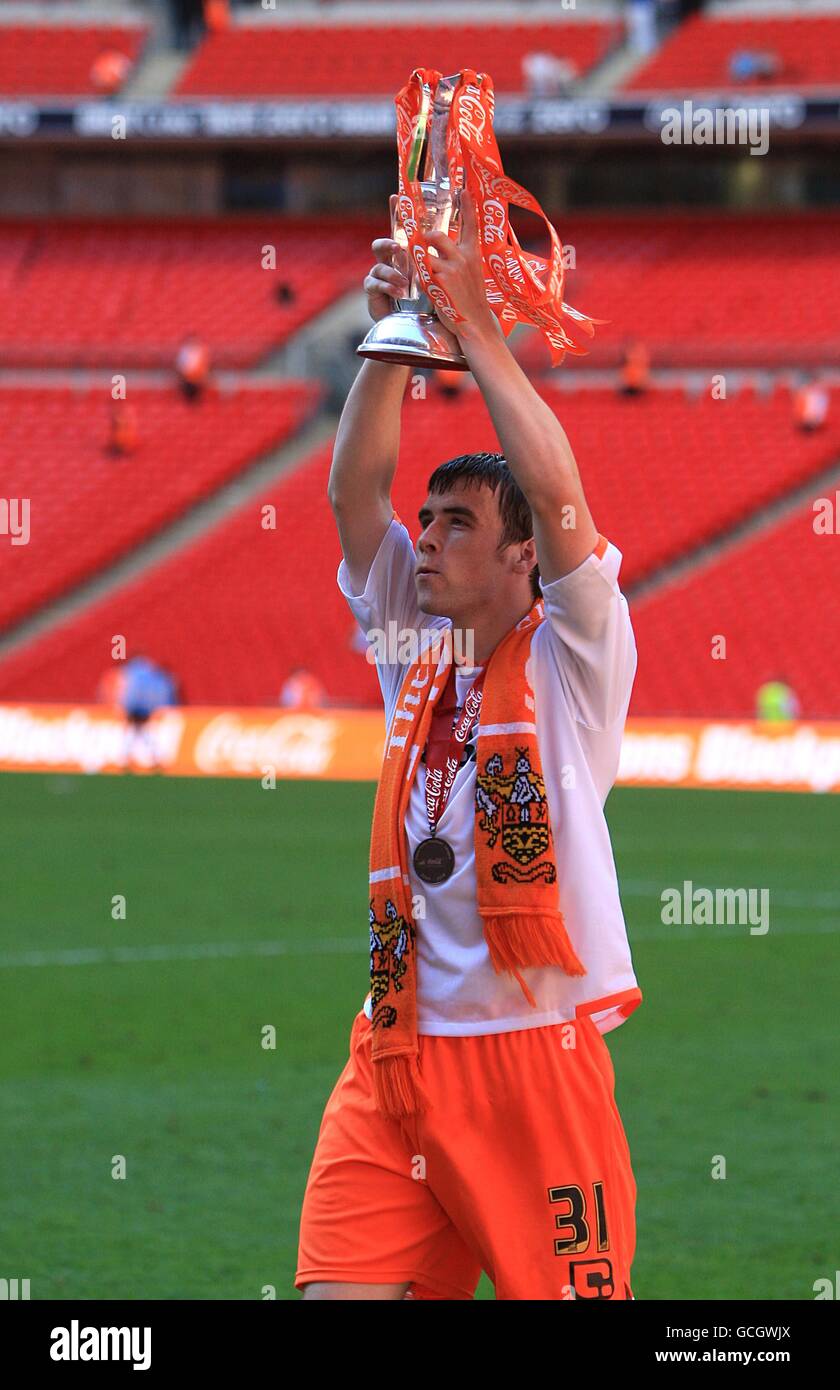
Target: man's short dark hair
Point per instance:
(493, 471)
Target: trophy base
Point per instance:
(414, 340)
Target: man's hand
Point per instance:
(459, 270)
(385, 281)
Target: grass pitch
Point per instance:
(140, 1036)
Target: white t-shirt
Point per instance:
(581, 669)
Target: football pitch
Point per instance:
(132, 1039)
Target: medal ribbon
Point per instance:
(521, 287)
(443, 759)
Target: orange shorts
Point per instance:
(521, 1168)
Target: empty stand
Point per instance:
(57, 60)
(703, 289)
(698, 289)
(698, 53)
(377, 59)
(88, 507)
(115, 294)
(231, 614)
(663, 473)
(237, 610)
(774, 599)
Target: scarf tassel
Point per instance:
(515, 939)
(398, 1086)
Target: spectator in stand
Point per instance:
(146, 688)
(546, 75)
(192, 364)
(746, 66)
(776, 703)
(450, 384)
(109, 71)
(668, 16)
(187, 18)
(810, 406)
(303, 691)
(110, 687)
(635, 370)
(641, 25)
(123, 435)
(216, 15)
(284, 293)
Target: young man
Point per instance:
(474, 1125)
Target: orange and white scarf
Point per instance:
(516, 871)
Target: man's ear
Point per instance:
(527, 556)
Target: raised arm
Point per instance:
(532, 438)
(367, 443)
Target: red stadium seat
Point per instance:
(58, 60)
(328, 60)
(87, 507)
(774, 599)
(237, 610)
(697, 54)
(126, 293)
(699, 289)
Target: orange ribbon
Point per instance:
(521, 286)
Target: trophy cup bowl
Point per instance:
(413, 335)
(446, 143)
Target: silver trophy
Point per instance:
(414, 335)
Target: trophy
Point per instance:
(414, 335)
(445, 134)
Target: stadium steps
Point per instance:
(260, 61)
(319, 350)
(607, 77)
(696, 55)
(155, 75)
(764, 519)
(249, 483)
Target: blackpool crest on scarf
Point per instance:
(445, 143)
